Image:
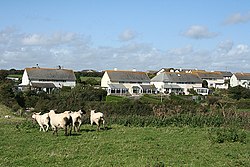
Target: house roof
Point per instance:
(171, 86)
(127, 76)
(43, 85)
(209, 75)
(50, 74)
(242, 76)
(225, 73)
(176, 77)
(117, 86)
(148, 87)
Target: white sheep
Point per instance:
(97, 118)
(7, 116)
(62, 120)
(42, 120)
(77, 119)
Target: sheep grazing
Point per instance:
(77, 119)
(42, 120)
(62, 120)
(97, 118)
(7, 116)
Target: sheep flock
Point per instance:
(67, 120)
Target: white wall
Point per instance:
(25, 79)
(105, 80)
(234, 81)
(159, 86)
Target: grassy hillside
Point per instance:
(86, 78)
(6, 111)
(25, 145)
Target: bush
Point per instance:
(243, 104)
(221, 135)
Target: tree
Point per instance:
(239, 92)
(204, 84)
(3, 74)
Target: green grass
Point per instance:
(85, 78)
(15, 75)
(243, 110)
(152, 98)
(112, 98)
(118, 146)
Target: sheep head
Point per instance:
(92, 111)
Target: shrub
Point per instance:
(221, 135)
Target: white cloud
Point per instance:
(237, 18)
(127, 35)
(182, 51)
(199, 32)
(33, 39)
(225, 46)
(57, 38)
(75, 51)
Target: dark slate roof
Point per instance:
(148, 87)
(43, 85)
(117, 86)
(50, 74)
(127, 76)
(242, 76)
(209, 75)
(225, 73)
(176, 77)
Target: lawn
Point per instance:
(86, 78)
(25, 145)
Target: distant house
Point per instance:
(177, 70)
(126, 82)
(47, 79)
(242, 79)
(214, 79)
(177, 83)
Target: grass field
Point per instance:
(117, 146)
(22, 144)
(86, 78)
(16, 75)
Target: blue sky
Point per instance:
(128, 34)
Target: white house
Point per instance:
(177, 70)
(126, 82)
(47, 79)
(178, 83)
(242, 79)
(214, 79)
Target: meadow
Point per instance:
(22, 144)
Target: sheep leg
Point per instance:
(98, 125)
(70, 129)
(54, 130)
(47, 128)
(41, 128)
(65, 131)
(78, 128)
(103, 122)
